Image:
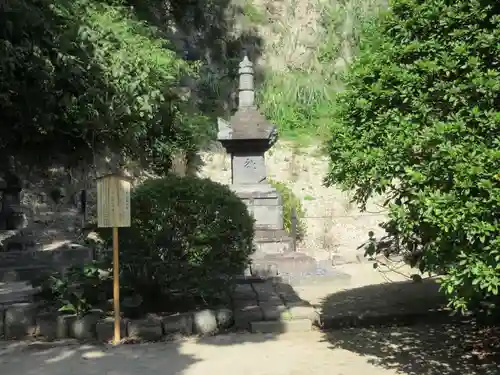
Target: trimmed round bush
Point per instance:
(187, 236)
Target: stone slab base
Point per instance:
(17, 274)
(271, 242)
(296, 269)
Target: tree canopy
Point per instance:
(419, 122)
(82, 76)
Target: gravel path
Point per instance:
(249, 354)
(419, 350)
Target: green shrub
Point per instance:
(290, 202)
(300, 100)
(419, 122)
(188, 237)
(75, 291)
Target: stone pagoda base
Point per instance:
(264, 204)
(272, 242)
(294, 268)
(274, 255)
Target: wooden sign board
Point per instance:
(113, 201)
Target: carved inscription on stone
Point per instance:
(249, 164)
(248, 169)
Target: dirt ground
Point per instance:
(425, 348)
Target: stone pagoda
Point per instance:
(246, 138)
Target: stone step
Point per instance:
(16, 292)
(27, 273)
(27, 265)
(368, 319)
(296, 269)
(61, 256)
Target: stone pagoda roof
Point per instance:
(247, 123)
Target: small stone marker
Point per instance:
(147, 329)
(19, 321)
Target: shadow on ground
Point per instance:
(404, 298)
(64, 358)
(193, 355)
(403, 327)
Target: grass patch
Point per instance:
(253, 14)
(301, 101)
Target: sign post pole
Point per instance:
(113, 211)
(116, 285)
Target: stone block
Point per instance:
(72, 255)
(263, 203)
(20, 321)
(225, 318)
(248, 168)
(149, 329)
(84, 327)
(105, 329)
(9, 276)
(263, 270)
(266, 293)
(303, 325)
(52, 326)
(267, 215)
(243, 292)
(277, 247)
(205, 322)
(272, 311)
(245, 315)
(241, 303)
(179, 323)
(288, 295)
(16, 292)
(304, 312)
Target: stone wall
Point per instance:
(51, 202)
(270, 307)
(54, 221)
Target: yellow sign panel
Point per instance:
(113, 201)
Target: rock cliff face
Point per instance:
(51, 217)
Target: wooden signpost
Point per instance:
(113, 211)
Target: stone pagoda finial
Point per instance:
(246, 89)
(247, 127)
